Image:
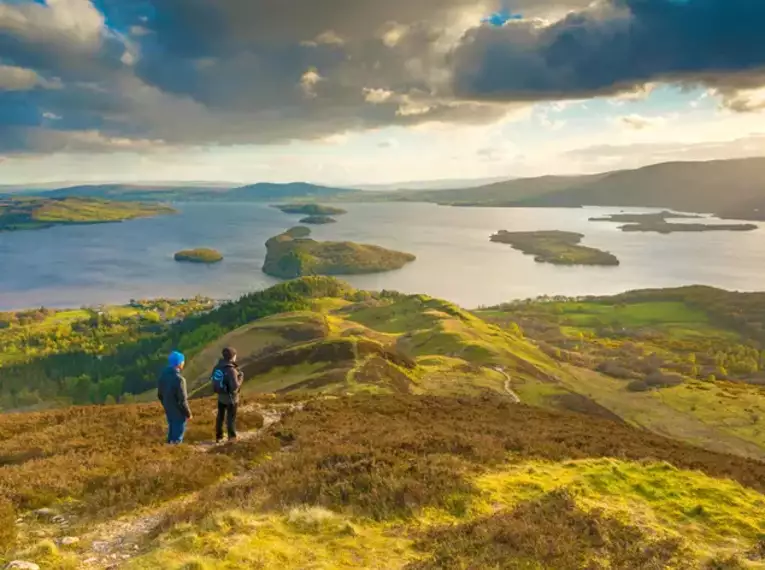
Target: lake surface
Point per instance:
(112, 263)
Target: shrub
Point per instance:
(661, 380)
(8, 529)
(638, 386)
(725, 563)
(615, 370)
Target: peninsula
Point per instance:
(310, 209)
(38, 213)
(658, 223)
(556, 247)
(294, 254)
(318, 220)
(199, 255)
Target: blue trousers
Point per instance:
(175, 429)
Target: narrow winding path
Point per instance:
(114, 542)
(508, 383)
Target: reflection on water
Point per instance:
(112, 263)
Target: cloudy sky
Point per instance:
(373, 91)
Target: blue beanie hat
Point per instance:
(176, 359)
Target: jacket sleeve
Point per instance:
(183, 397)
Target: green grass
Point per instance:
(735, 409)
(300, 538)
(588, 315)
(648, 411)
(713, 516)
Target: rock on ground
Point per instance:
(22, 565)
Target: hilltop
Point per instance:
(383, 430)
(39, 213)
(370, 481)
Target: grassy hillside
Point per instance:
(685, 362)
(381, 430)
(128, 366)
(384, 344)
(68, 342)
(389, 482)
(38, 213)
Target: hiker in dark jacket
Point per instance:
(227, 382)
(171, 391)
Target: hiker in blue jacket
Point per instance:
(171, 391)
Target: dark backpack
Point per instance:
(218, 379)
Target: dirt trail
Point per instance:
(110, 544)
(508, 384)
(270, 417)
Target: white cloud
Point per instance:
(377, 96)
(641, 93)
(65, 21)
(18, 79)
(392, 33)
(640, 122)
(309, 81)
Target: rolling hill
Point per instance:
(392, 431)
(729, 188)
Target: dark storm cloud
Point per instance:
(616, 46)
(117, 74)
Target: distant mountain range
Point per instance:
(445, 184)
(729, 188)
(261, 192)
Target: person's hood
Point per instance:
(227, 364)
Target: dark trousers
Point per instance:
(176, 428)
(226, 412)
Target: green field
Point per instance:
(659, 360)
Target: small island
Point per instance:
(199, 255)
(556, 247)
(294, 254)
(318, 220)
(34, 213)
(658, 223)
(310, 209)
